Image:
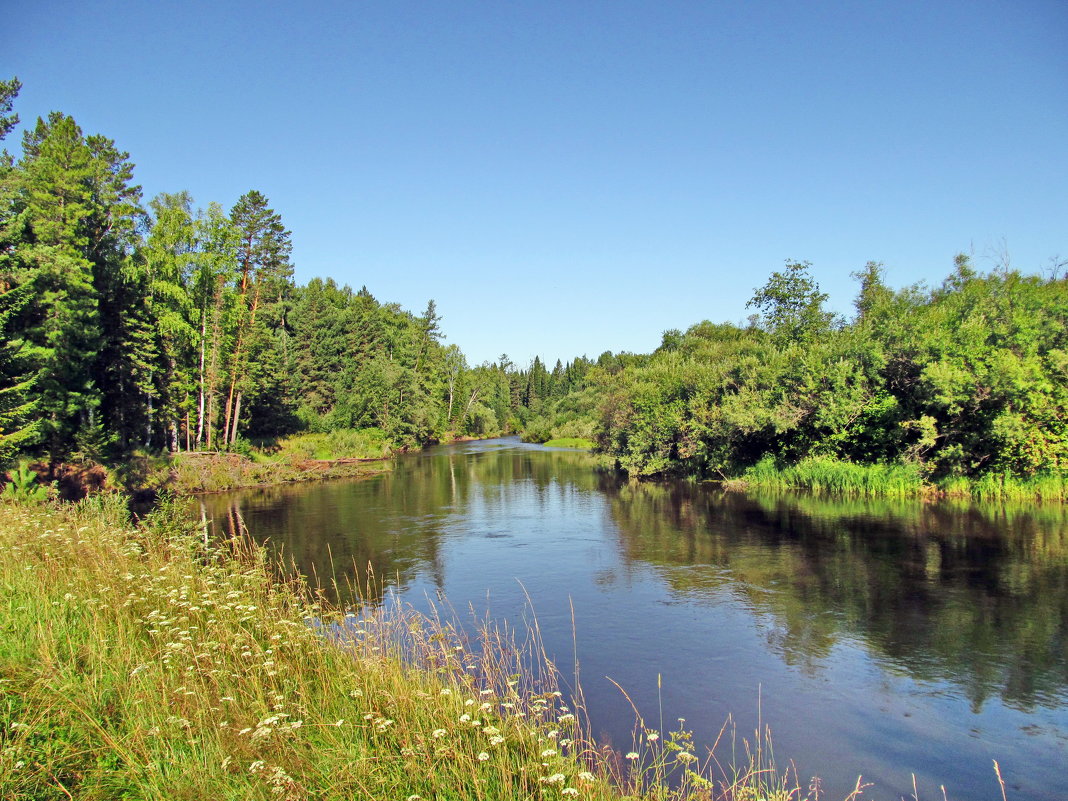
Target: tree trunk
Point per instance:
(200, 386)
(230, 401)
(237, 367)
(470, 402)
(237, 416)
(148, 423)
(213, 367)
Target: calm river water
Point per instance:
(882, 638)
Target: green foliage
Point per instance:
(823, 474)
(791, 304)
(23, 487)
(578, 443)
(9, 90)
(968, 380)
(182, 329)
(366, 443)
(18, 428)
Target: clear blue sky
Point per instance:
(565, 178)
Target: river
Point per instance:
(898, 640)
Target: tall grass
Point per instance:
(822, 474)
(827, 475)
(578, 443)
(363, 443)
(147, 662)
(1006, 487)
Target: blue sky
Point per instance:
(565, 178)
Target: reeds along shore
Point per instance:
(835, 476)
(147, 662)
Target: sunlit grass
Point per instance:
(1006, 487)
(827, 475)
(578, 443)
(364, 443)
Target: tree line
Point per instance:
(162, 326)
(130, 325)
(960, 380)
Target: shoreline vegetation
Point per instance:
(145, 661)
(354, 453)
(345, 453)
(576, 443)
(827, 475)
(956, 390)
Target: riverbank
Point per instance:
(825, 475)
(345, 453)
(146, 662)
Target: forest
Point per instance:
(162, 326)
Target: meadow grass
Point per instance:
(148, 662)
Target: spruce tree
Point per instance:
(63, 327)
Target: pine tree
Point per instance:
(62, 329)
(18, 426)
(265, 272)
(18, 405)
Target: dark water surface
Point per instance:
(881, 638)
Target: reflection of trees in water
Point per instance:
(390, 526)
(971, 595)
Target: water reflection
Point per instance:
(925, 638)
(359, 538)
(965, 594)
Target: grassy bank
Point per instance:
(578, 443)
(216, 472)
(146, 663)
(300, 457)
(828, 475)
